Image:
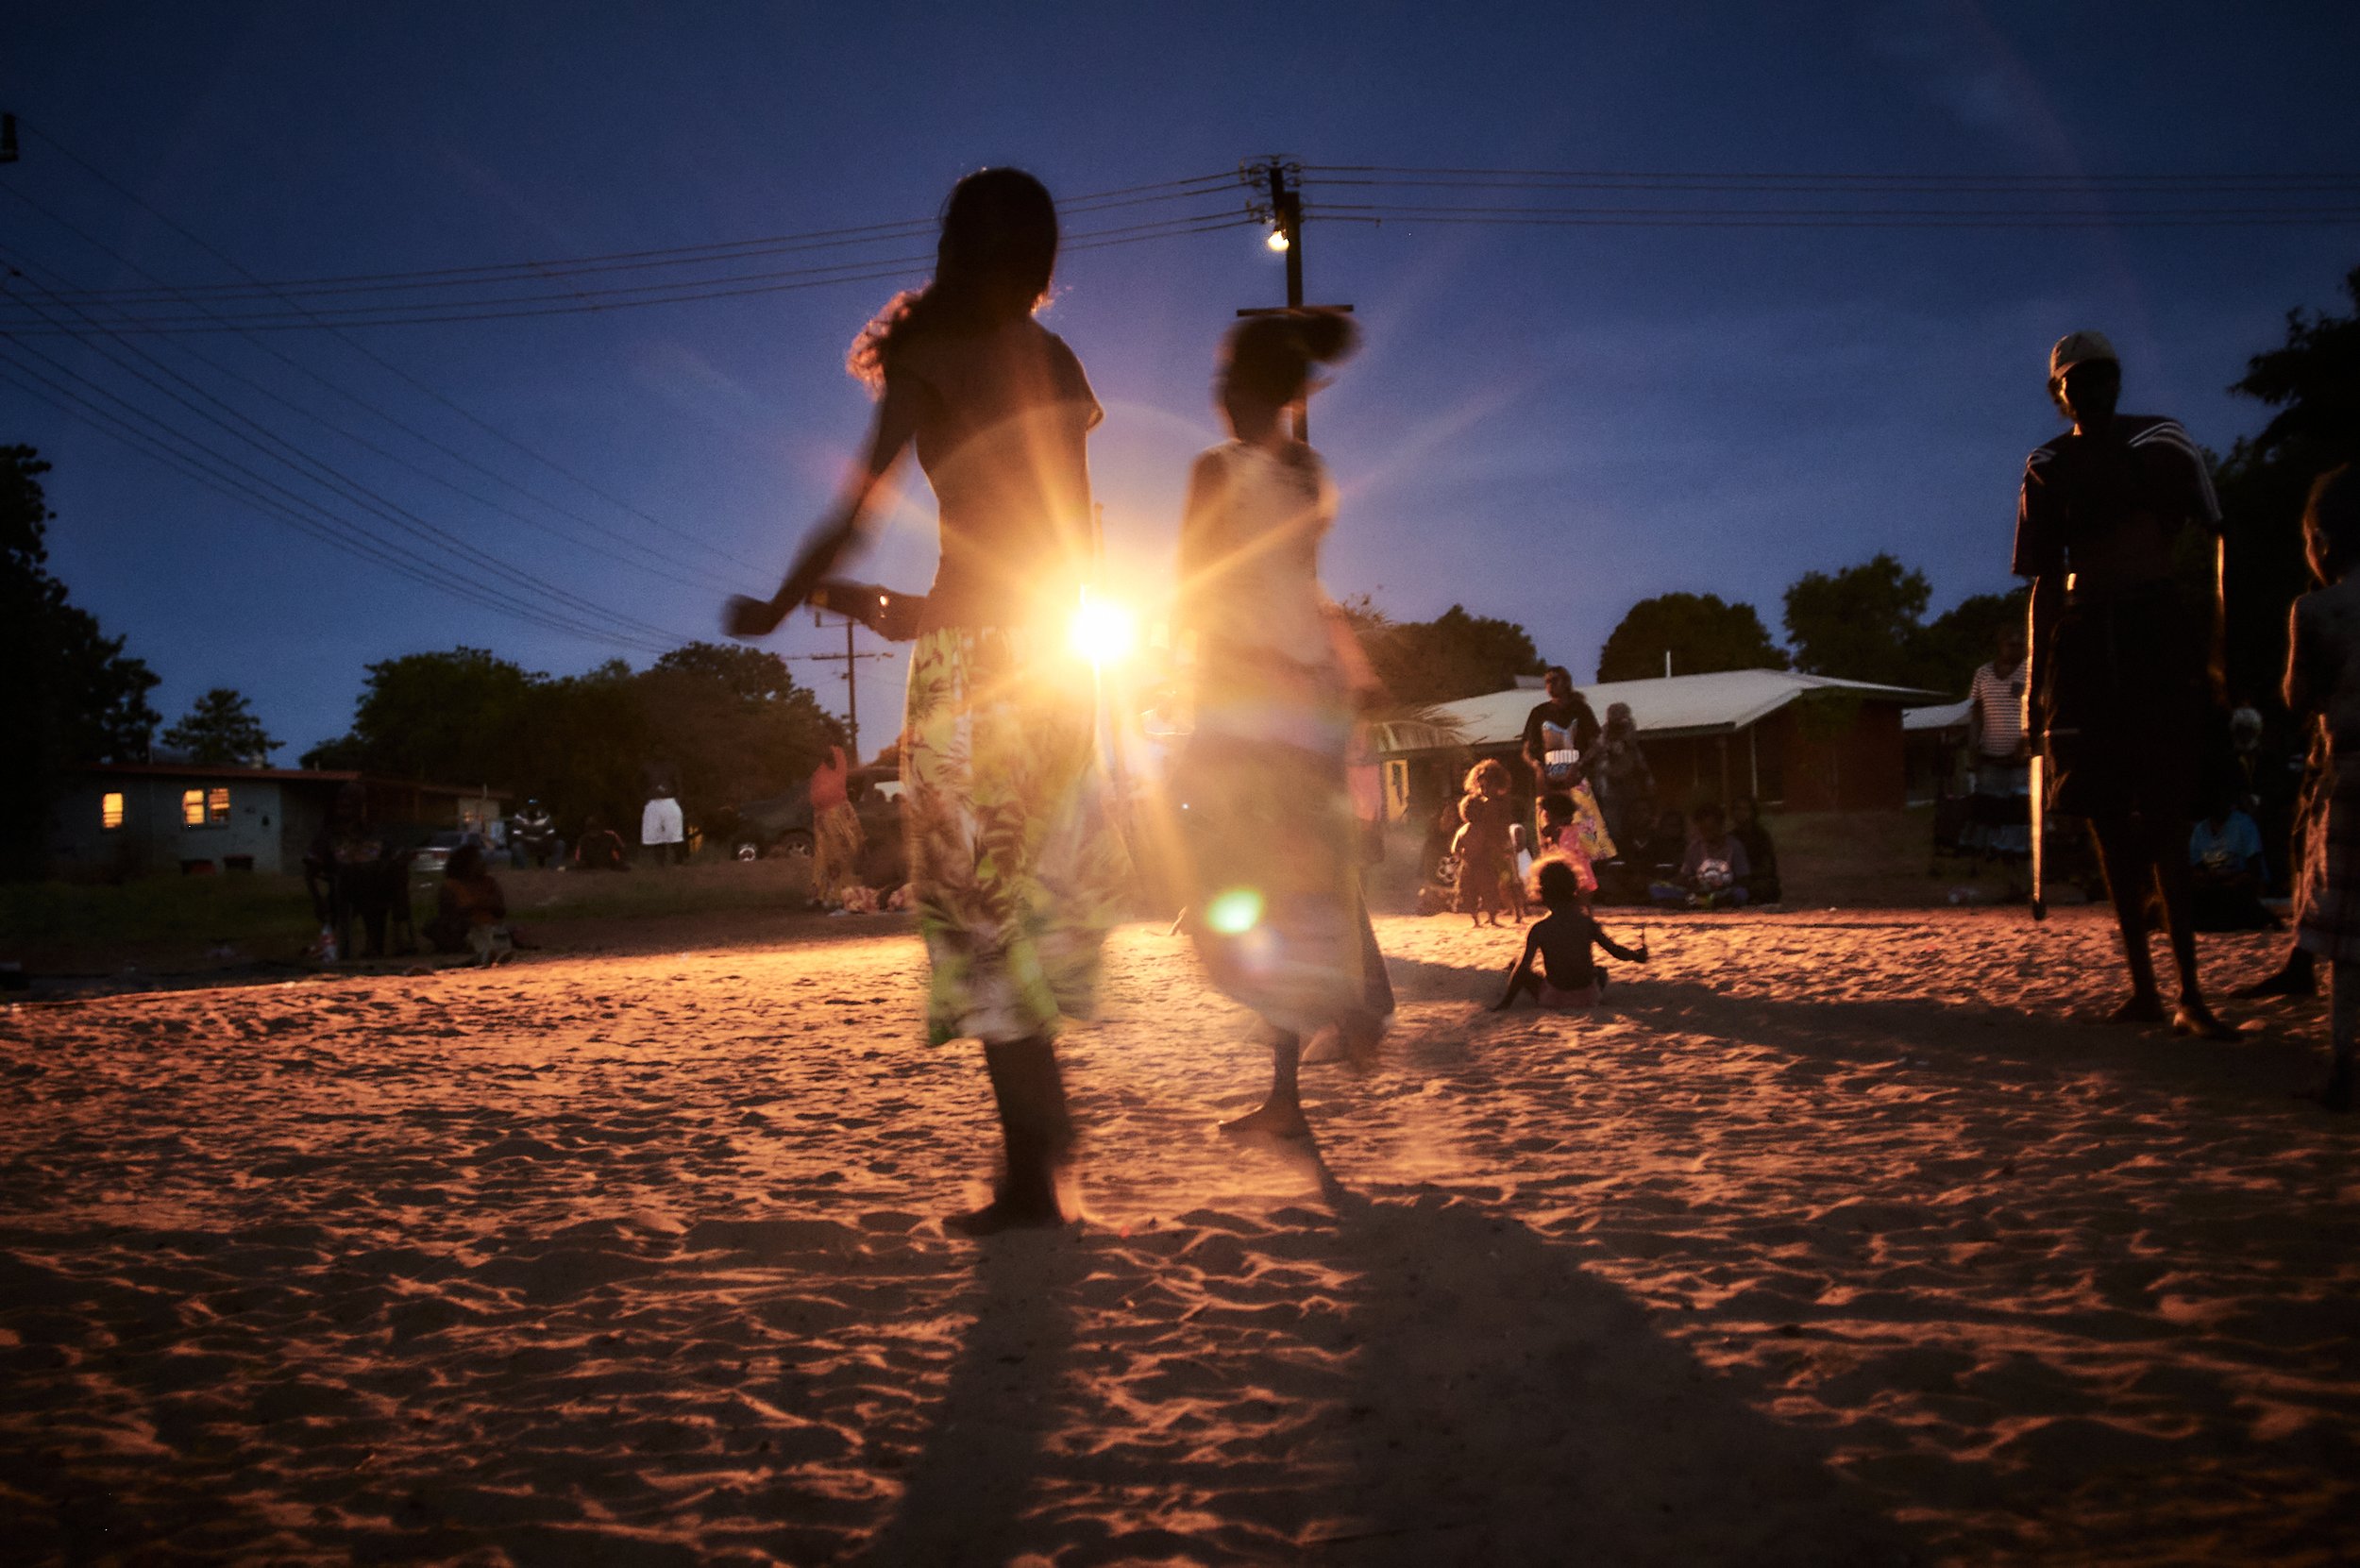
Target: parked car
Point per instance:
(430, 858)
(781, 824)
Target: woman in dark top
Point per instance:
(1013, 862)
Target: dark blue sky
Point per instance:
(1547, 424)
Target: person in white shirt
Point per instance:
(661, 831)
(2002, 762)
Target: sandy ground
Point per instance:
(1837, 1240)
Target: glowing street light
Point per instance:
(1277, 240)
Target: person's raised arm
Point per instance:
(842, 526)
(1521, 974)
(1629, 955)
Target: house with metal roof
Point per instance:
(1800, 742)
(126, 818)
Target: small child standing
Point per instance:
(1486, 850)
(2324, 683)
(1561, 838)
(1562, 939)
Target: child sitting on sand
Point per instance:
(470, 911)
(1563, 938)
(2323, 680)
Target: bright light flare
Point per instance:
(1234, 912)
(1103, 632)
(1277, 240)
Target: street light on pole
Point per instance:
(1286, 237)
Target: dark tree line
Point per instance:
(2313, 380)
(722, 724)
(68, 692)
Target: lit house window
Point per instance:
(110, 809)
(193, 808)
(217, 805)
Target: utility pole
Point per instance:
(1286, 217)
(851, 660)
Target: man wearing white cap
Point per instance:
(2123, 703)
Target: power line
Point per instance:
(370, 354)
(709, 252)
(1830, 218)
(268, 442)
(2078, 182)
(538, 271)
(304, 516)
(581, 301)
(659, 567)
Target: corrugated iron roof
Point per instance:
(1943, 716)
(1667, 706)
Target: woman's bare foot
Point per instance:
(2143, 1007)
(1273, 1120)
(2193, 1018)
(1003, 1213)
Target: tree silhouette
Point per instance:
(1862, 623)
(69, 694)
(726, 724)
(1454, 655)
(220, 730)
(2313, 380)
(1701, 632)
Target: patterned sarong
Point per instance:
(837, 843)
(1272, 837)
(1016, 869)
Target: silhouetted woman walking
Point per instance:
(1272, 833)
(1014, 865)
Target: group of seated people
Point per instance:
(359, 879)
(1711, 859)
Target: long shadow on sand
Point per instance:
(966, 1490)
(1413, 1378)
(2261, 1066)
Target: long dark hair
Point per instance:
(992, 264)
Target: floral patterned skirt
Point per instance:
(1016, 865)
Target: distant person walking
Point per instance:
(2323, 682)
(1271, 828)
(2123, 703)
(837, 838)
(1014, 865)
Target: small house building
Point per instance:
(134, 819)
(1933, 739)
(1796, 742)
